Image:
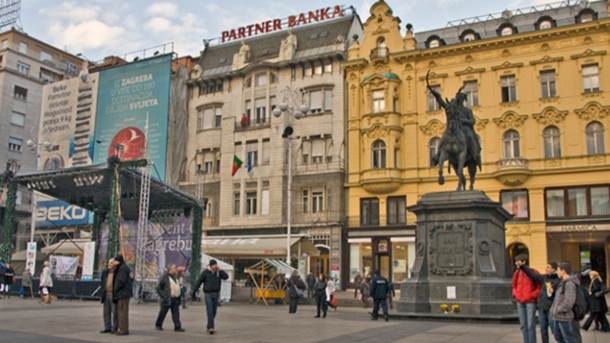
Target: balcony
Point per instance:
(380, 55)
(251, 125)
(512, 171)
(380, 181)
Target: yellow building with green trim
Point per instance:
(537, 83)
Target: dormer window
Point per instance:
(469, 36)
(382, 49)
(545, 22)
(435, 43)
(506, 31)
(586, 15)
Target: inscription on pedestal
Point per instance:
(450, 251)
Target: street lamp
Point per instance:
(293, 105)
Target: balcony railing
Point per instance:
(252, 124)
(512, 163)
(379, 54)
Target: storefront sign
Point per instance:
(54, 213)
(279, 24)
(578, 228)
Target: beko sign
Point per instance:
(60, 213)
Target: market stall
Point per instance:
(269, 277)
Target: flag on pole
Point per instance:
(249, 165)
(236, 165)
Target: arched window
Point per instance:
(434, 41)
(586, 15)
(469, 35)
(379, 154)
(552, 148)
(506, 29)
(595, 138)
(511, 144)
(382, 49)
(545, 22)
(433, 150)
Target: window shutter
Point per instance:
(317, 147)
(316, 100)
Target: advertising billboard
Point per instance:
(57, 213)
(133, 111)
(65, 137)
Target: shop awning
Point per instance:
(246, 246)
(66, 247)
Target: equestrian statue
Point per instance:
(460, 145)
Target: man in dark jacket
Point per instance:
(121, 293)
(562, 309)
(311, 283)
(296, 287)
(380, 288)
(549, 282)
(106, 288)
(211, 278)
(169, 295)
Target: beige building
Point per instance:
(233, 91)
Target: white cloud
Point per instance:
(159, 24)
(163, 9)
(92, 34)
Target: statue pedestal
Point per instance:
(460, 267)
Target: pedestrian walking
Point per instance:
(122, 291)
(296, 289)
(549, 282)
(597, 304)
(357, 282)
(320, 295)
(380, 288)
(562, 309)
(183, 286)
(26, 284)
(311, 283)
(169, 293)
(391, 295)
(9, 276)
(331, 296)
(525, 292)
(365, 292)
(211, 278)
(46, 284)
(109, 308)
(2, 272)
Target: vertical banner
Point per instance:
(30, 257)
(65, 133)
(88, 255)
(133, 112)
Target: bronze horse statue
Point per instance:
(459, 144)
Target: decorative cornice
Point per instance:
(433, 128)
(480, 123)
(550, 115)
(547, 59)
(507, 65)
(593, 111)
(434, 75)
(589, 53)
(510, 120)
(469, 70)
(380, 131)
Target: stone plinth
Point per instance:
(460, 258)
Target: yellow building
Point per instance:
(537, 83)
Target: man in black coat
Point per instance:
(122, 291)
(311, 283)
(169, 294)
(296, 287)
(106, 289)
(380, 287)
(211, 278)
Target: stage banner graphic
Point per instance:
(133, 112)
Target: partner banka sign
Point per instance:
(56, 213)
(277, 24)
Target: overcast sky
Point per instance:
(98, 28)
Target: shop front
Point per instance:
(392, 255)
(585, 247)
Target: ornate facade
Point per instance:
(537, 85)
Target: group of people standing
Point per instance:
(116, 290)
(560, 299)
(322, 289)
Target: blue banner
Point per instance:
(55, 213)
(133, 112)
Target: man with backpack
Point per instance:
(525, 292)
(567, 308)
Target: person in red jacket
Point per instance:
(525, 292)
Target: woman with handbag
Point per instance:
(597, 304)
(296, 290)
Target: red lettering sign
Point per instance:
(278, 24)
